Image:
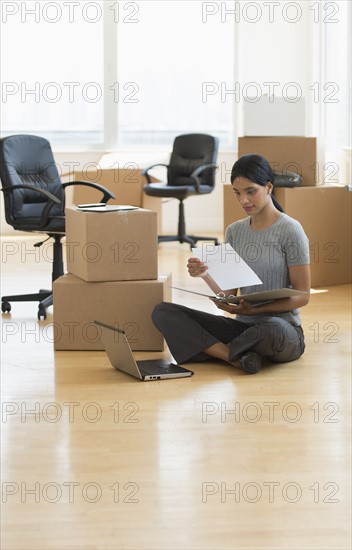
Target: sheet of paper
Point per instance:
(226, 267)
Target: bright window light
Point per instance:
(52, 70)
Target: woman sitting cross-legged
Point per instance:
(275, 246)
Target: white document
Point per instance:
(226, 267)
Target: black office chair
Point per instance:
(191, 171)
(34, 199)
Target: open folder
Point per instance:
(254, 297)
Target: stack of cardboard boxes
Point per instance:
(322, 206)
(112, 277)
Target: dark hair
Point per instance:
(257, 169)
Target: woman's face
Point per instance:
(251, 196)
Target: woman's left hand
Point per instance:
(242, 308)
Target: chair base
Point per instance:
(181, 236)
(190, 239)
(44, 297)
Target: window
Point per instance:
(174, 63)
(52, 70)
(164, 71)
(336, 89)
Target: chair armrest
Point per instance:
(288, 179)
(107, 195)
(48, 195)
(195, 174)
(145, 172)
(46, 210)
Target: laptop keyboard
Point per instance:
(149, 367)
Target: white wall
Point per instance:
(282, 56)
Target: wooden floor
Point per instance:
(94, 459)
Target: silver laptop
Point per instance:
(121, 357)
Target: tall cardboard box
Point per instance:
(112, 246)
(325, 214)
(302, 155)
(127, 305)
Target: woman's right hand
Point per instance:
(196, 268)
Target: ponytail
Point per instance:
(276, 203)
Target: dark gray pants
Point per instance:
(188, 332)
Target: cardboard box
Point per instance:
(302, 155)
(325, 214)
(126, 183)
(125, 304)
(274, 116)
(112, 246)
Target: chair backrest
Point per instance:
(28, 160)
(189, 152)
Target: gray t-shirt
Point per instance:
(269, 252)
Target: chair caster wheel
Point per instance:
(5, 307)
(41, 313)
